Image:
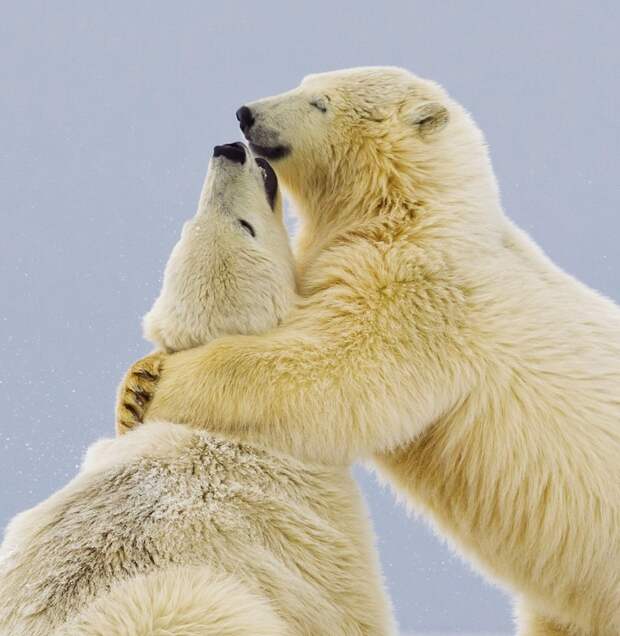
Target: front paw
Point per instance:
(136, 392)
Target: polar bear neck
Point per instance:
(453, 180)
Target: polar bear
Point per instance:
(434, 335)
(172, 531)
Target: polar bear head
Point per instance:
(354, 137)
(232, 272)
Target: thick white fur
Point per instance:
(435, 336)
(172, 531)
(219, 279)
(178, 601)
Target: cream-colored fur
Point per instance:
(219, 279)
(173, 531)
(435, 335)
(178, 601)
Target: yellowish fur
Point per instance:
(174, 531)
(435, 336)
(169, 530)
(179, 601)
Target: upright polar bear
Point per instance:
(434, 335)
(173, 532)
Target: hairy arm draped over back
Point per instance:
(346, 375)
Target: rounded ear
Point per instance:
(429, 118)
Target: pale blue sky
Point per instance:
(108, 113)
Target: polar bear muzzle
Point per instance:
(245, 118)
(235, 152)
(262, 141)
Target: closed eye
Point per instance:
(319, 104)
(247, 227)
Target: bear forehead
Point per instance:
(361, 74)
(377, 82)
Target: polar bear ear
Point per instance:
(429, 118)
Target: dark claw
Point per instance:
(132, 409)
(142, 396)
(147, 375)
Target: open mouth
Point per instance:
(269, 179)
(270, 152)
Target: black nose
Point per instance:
(235, 152)
(245, 118)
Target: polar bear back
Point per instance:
(190, 499)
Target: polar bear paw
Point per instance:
(136, 391)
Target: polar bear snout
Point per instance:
(234, 152)
(245, 118)
(263, 140)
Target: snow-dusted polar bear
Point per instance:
(171, 531)
(434, 335)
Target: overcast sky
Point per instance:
(108, 114)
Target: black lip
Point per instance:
(270, 152)
(234, 152)
(270, 180)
